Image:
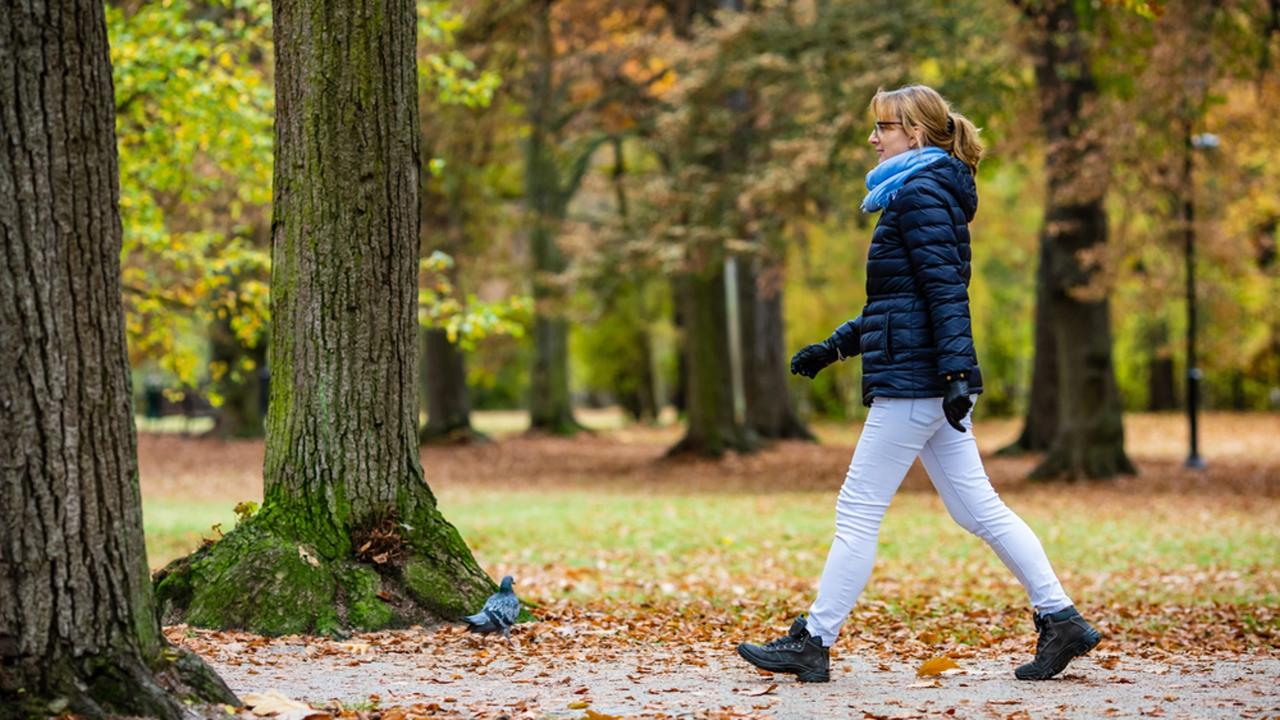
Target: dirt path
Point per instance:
(442, 673)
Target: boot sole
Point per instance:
(1062, 659)
(802, 673)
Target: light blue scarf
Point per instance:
(886, 179)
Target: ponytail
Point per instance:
(965, 144)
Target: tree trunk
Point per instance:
(1041, 423)
(712, 428)
(550, 409)
(241, 413)
(1162, 394)
(770, 412)
(444, 376)
(349, 536)
(1089, 438)
(78, 630)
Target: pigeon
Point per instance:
(499, 612)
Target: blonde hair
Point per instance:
(920, 106)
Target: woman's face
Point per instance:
(890, 137)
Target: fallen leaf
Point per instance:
(936, 666)
(273, 704)
(926, 684)
(308, 557)
(762, 691)
(579, 705)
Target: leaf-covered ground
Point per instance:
(646, 573)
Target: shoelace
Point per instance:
(787, 642)
(1047, 634)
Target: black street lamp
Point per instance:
(1203, 141)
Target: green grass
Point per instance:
(174, 528)
(641, 547)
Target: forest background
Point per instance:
(584, 158)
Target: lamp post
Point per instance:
(1203, 141)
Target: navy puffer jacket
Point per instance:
(915, 328)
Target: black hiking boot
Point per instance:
(1064, 636)
(798, 653)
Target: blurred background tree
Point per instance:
(620, 162)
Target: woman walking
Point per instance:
(920, 378)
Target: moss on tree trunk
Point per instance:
(348, 536)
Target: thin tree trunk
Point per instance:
(448, 403)
(240, 414)
(349, 535)
(1162, 394)
(1089, 438)
(550, 409)
(78, 630)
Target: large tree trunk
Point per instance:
(770, 411)
(444, 379)
(1089, 441)
(550, 409)
(349, 536)
(78, 630)
(1041, 422)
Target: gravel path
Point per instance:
(496, 680)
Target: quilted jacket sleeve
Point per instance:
(932, 248)
(848, 337)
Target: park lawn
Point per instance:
(749, 560)
(600, 529)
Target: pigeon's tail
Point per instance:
(483, 622)
(483, 628)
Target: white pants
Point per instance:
(897, 430)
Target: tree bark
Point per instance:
(770, 411)
(550, 409)
(444, 375)
(1089, 438)
(349, 536)
(78, 630)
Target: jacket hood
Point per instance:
(954, 175)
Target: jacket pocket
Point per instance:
(888, 336)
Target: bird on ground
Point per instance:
(499, 612)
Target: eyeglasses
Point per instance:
(881, 125)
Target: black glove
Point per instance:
(957, 403)
(813, 358)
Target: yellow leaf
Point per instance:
(936, 666)
(578, 705)
(273, 704)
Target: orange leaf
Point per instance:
(936, 666)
